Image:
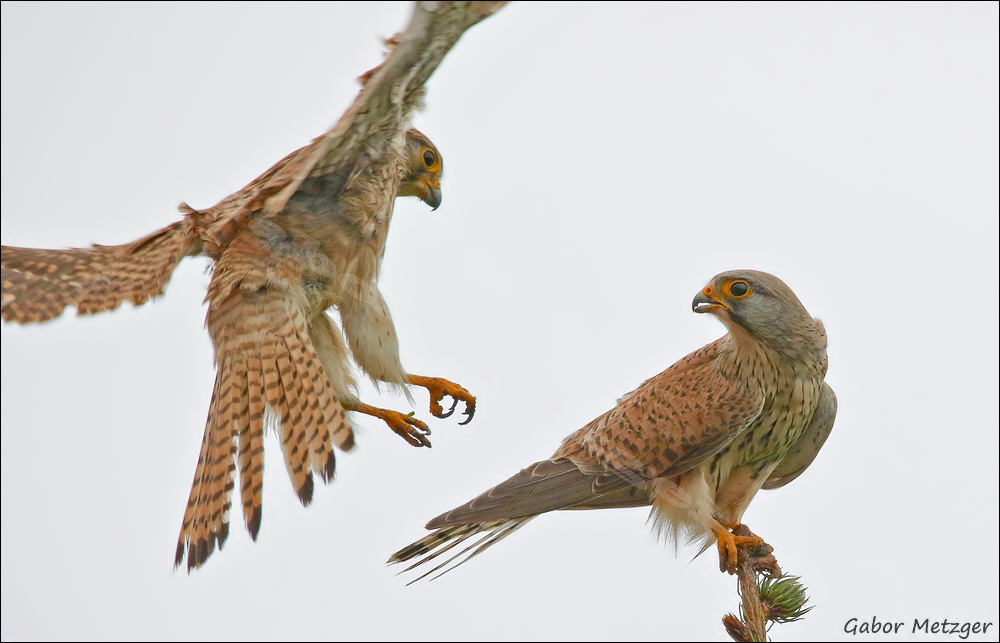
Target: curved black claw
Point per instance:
(408, 427)
(447, 414)
(414, 432)
(470, 410)
(439, 388)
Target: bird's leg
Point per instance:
(439, 387)
(407, 427)
(730, 542)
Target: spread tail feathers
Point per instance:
(267, 364)
(39, 284)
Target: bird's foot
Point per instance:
(409, 428)
(438, 388)
(741, 546)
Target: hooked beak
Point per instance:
(431, 194)
(706, 301)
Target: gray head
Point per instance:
(754, 303)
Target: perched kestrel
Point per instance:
(748, 411)
(307, 235)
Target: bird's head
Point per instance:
(757, 303)
(425, 167)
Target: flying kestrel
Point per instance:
(307, 235)
(746, 412)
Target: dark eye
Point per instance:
(429, 158)
(739, 289)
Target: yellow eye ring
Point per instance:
(738, 289)
(430, 159)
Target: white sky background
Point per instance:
(602, 164)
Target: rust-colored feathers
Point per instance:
(697, 441)
(39, 284)
(305, 236)
(266, 363)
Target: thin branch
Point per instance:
(752, 610)
(751, 561)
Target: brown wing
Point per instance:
(266, 362)
(367, 130)
(670, 424)
(382, 110)
(667, 426)
(805, 450)
(39, 284)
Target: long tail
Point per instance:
(549, 485)
(39, 284)
(442, 540)
(267, 364)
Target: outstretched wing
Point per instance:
(39, 284)
(372, 124)
(669, 425)
(266, 363)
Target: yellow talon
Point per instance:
(729, 545)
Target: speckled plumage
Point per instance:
(696, 442)
(307, 235)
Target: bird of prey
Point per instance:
(697, 442)
(306, 236)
